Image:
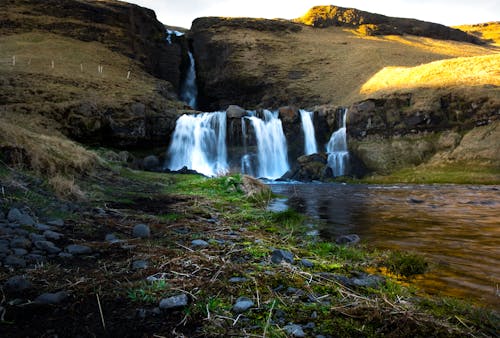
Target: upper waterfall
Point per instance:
(189, 89)
(338, 154)
(310, 146)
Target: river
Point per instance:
(456, 227)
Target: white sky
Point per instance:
(448, 12)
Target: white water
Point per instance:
(310, 146)
(271, 146)
(199, 143)
(338, 155)
(189, 90)
(171, 33)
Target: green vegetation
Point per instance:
(406, 264)
(148, 292)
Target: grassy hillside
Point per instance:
(489, 31)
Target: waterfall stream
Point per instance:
(338, 155)
(199, 143)
(310, 146)
(189, 89)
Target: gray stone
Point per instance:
(2, 215)
(141, 231)
(294, 330)
(53, 235)
(52, 298)
(14, 261)
(415, 200)
(21, 232)
(235, 112)
(4, 249)
(140, 264)
(20, 242)
(47, 246)
(65, 255)
(76, 249)
(19, 252)
(174, 302)
(111, 238)
(150, 162)
(347, 239)
(19, 217)
(17, 284)
(199, 243)
(43, 227)
(279, 256)
(35, 258)
(36, 237)
(242, 304)
(306, 263)
(237, 279)
(56, 222)
(368, 281)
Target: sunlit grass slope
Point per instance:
(489, 31)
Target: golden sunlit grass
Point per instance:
(464, 71)
(489, 31)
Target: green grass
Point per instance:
(146, 292)
(406, 264)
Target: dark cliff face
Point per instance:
(124, 28)
(377, 24)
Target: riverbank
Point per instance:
(173, 255)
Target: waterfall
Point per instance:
(338, 155)
(171, 33)
(310, 146)
(189, 90)
(199, 143)
(271, 145)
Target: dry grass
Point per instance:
(66, 188)
(489, 31)
(464, 71)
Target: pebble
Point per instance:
(36, 237)
(306, 263)
(237, 279)
(14, 261)
(111, 238)
(294, 330)
(415, 200)
(141, 231)
(65, 255)
(52, 298)
(280, 255)
(140, 264)
(174, 302)
(43, 227)
(15, 215)
(199, 243)
(53, 235)
(4, 249)
(17, 284)
(76, 249)
(242, 304)
(347, 239)
(20, 242)
(19, 252)
(2, 215)
(35, 258)
(56, 222)
(47, 246)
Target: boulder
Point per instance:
(141, 231)
(280, 255)
(174, 302)
(52, 298)
(235, 112)
(289, 114)
(151, 163)
(242, 304)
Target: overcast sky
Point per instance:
(449, 12)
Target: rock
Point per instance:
(19, 217)
(43, 227)
(52, 298)
(279, 256)
(237, 280)
(367, 281)
(19, 252)
(140, 264)
(14, 261)
(47, 246)
(36, 237)
(199, 243)
(52, 235)
(35, 258)
(306, 263)
(4, 249)
(21, 243)
(2, 215)
(235, 112)
(174, 302)
(242, 304)
(289, 114)
(151, 163)
(254, 188)
(56, 222)
(65, 255)
(294, 330)
(76, 249)
(111, 238)
(141, 231)
(17, 284)
(415, 200)
(347, 239)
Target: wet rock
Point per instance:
(17, 284)
(140, 264)
(43, 227)
(242, 304)
(35, 258)
(19, 252)
(174, 302)
(52, 298)
(21, 243)
(199, 243)
(76, 249)
(280, 255)
(14, 261)
(52, 235)
(306, 263)
(2, 215)
(151, 163)
(47, 246)
(366, 280)
(21, 232)
(294, 330)
(65, 255)
(347, 239)
(36, 237)
(235, 112)
(141, 231)
(4, 249)
(56, 222)
(17, 216)
(237, 280)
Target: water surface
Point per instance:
(456, 227)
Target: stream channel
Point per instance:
(456, 227)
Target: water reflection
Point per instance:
(456, 227)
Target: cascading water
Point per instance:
(338, 155)
(189, 90)
(171, 33)
(271, 146)
(310, 146)
(199, 143)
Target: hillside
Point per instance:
(489, 31)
